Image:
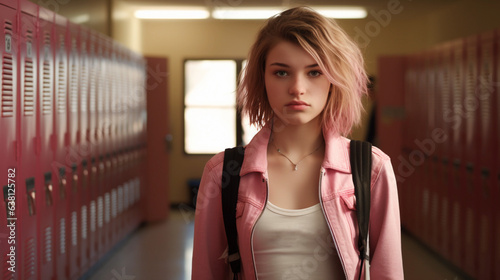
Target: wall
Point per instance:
(409, 29)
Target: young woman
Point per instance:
(296, 210)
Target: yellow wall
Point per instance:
(408, 31)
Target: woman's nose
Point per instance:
(297, 85)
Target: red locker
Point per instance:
(484, 174)
(29, 108)
(455, 120)
(93, 145)
(62, 164)
(73, 216)
(389, 99)
(496, 139)
(85, 150)
(46, 173)
(428, 145)
(441, 98)
(470, 190)
(13, 187)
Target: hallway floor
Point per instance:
(164, 250)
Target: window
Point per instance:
(211, 123)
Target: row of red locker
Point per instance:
(453, 88)
(447, 160)
(72, 119)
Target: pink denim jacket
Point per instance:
(337, 201)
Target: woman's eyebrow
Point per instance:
(288, 66)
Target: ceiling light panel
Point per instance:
(173, 13)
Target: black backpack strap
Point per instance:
(233, 159)
(361, 166)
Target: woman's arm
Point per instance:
(209, 236)
(385, 225)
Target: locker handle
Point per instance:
(62, 183)
(470, 167)
(30, 193)
(48, 188)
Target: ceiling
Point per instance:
(368, 4)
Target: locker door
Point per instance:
(74, 135)
(46, 174)
(85, 149)
(94, 145)
(471, 192)
(456, 119)
(10, 176)
(27, 73)
(61, 162)
(444, 109)
(496, 138)
(486, 182)
(389, 100)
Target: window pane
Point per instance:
(209, 130)
(249, 131)
(210, 83)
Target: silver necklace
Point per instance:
(295, 168)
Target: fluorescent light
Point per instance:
(342, 12)
(80, 19)
(172, 14)
(265, 13)
(244, 13)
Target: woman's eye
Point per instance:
(281, 73)
(314, 73)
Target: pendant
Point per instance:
(295, 169)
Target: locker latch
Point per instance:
(30, 193)
(48, 189)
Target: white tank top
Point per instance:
(295, 244)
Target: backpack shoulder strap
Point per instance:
(233, 159)
(361, 166)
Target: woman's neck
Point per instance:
(297, 139)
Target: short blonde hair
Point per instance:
(336, 54)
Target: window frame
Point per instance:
(239, 127)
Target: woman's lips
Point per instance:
(296, 105)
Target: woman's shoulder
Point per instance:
(215, 162)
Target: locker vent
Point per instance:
(48, 245)
(74, 229)
(120, 199)
(7, 86)
(62, 236)
(84, 84)
(470, 90)
(445, 228)
(107, 208)
(100, 210)
(29, 88)
(61, 87)
(114, 204)
(445, 88)
(92, 216)
(6, 273)
(30, 258)
(486, 90)
(138, 189)
(457, 81)
(84, 222)
(100, 87)
(73, 86)
(46, 89)
(92, 90)
(125, 195)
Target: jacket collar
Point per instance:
(336, 152)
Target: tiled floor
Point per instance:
(164, 250)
